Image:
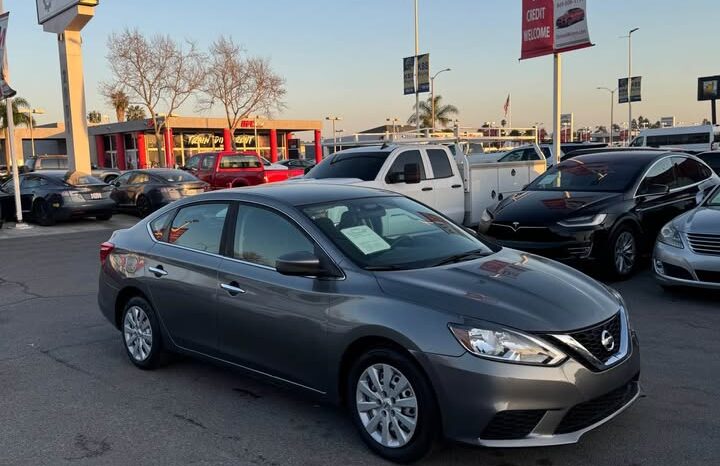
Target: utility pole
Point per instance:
(612, 109)
(629, 38)
(334, 119)
(432, 95)
(557, 106)
(417, 74)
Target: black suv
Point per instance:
(607, 206)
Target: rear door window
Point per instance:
(199, 227)
(396, 174)
(662, 173)
(440, 164)
(689, 171)
(158, 227)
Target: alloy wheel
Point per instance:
(387, 405)
(625, 250)
(138, 333)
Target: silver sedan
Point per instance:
(687, 252)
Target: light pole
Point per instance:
(629, 38)
(30, 112)
(255, 129)
(393, 122)
(432, 95)
(537, 126)
(417, 52)
(334, 119)
(612, 108)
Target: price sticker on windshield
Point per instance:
(365, 239)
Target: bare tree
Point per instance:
(157, 73)
(241, 84)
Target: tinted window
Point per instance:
(199, 227)
(79, 178)
(255, 226)
(514, 156)
(688, 171)
(239, 161)
(712, 159)
(439, 163)
(546, 151)
(159, 226)
(362, 165)
(662, 173)
(396, 174)
(391, 232)
(192, 162)
(140, 178)
(123, 179)
(583, 175)
(208, 162)
(174, 176)
(32, 182)
(530, 154)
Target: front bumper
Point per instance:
(498, 404)
(682, 267)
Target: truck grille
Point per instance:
(704, 244)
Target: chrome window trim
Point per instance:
(266, 267)
(621, 353)
(674, 190)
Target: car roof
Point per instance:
(630, 157)
(614, 151)
(311, 192)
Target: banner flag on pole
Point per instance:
(5, 90)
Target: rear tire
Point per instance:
(141, 334)
(144, 206)
(392, 405)
(41, 213)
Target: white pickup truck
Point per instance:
(438, 175)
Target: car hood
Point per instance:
(510, 288)
(703, 220)
(543, 207)
(305, 179)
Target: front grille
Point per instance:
(511, 425)
(532, 234)
(708, 276)
(591, 338)
(704, 244)
(586, 414)
(676, 272)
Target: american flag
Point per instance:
(507, 105)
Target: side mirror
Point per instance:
(411, 173)
(300, 264)
(656, 190)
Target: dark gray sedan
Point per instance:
(372, 300)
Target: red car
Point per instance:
(573, 16)
(277, 172)
(227, 169)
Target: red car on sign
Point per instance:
(573, 15)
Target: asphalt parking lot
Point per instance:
(68, 394)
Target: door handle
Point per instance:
(159, 271)
(455, 186)
(232, 288)
(427, 189)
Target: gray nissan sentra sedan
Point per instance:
(370, 299)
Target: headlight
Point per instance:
(671, 236)
(486, 216)
(507, 346)
(587, 221)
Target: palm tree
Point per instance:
(19, 118)
(135, 112)
(442, 113)
(119, 100)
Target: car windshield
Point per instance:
(175, 176)
(576, 175)
(362, 165)
(394, 233)
(76, 178)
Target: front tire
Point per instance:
(622, 253)
(392, 405)
(141, 334)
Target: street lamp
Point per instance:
(612, 108)
(334, 119)
(394, 122)
(30, 112)
(629, 38)
(432, 95)
(537, 126)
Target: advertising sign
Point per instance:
(5, 90)
(635, 84)
(623, 90)
(709, 88)
(538, 28)
(48, 9)
(409, 75)
(571, 27)
(423, 73)
(667, 122)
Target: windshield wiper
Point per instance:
(465, 256)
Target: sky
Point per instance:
(344, 57)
